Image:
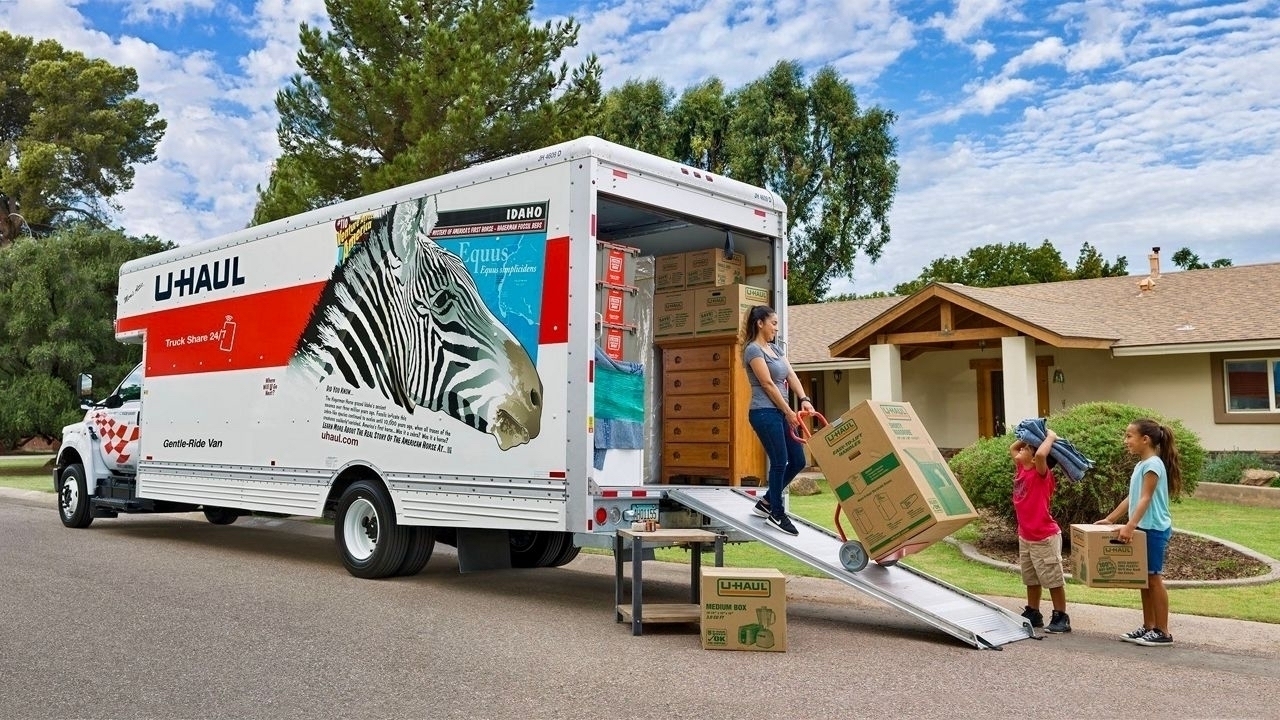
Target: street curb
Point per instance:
(970, 552)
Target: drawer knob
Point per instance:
(715, 356)
(715, 405)
(677, 431)
(677, 359)
(677, 407)
(678, 383)
(715, 454)
(715, 430)
(676, 454)
(715, 382)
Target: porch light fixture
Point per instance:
(837, 375)
(1059, 377)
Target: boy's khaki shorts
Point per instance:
(1041, 561)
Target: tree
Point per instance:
(811, 144)
(70, 133)
(1000, 265)
(57, 306)
(403, 90)
(1188, 260)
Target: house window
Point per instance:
(1252, 385)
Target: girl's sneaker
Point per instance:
(1155, 637)
(783, 523)
(1133, 635)
(761, 509)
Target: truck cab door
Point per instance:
(115, 424)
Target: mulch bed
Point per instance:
(1188, 557)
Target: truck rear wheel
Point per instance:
(422, 541)
(371, 543)
(535, 548)
(73, 497)
(220, 515)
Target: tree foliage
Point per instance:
(985, 469)
(403, 90)
(1004, 264)
(57, 304)
(1188, 260)
(831, 162)
(70, 134)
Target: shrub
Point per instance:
(1097, 430)
(1227, 468)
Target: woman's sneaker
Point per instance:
(784, 524)
(1155, 637)
(761, 509)
(1133, 635)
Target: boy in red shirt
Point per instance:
(1039, 537)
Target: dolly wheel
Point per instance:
(853, 556)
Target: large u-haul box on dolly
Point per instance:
(418, 363)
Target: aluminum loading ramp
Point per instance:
(970, 618)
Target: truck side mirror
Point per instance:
(86, 385)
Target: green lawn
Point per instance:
(1255, 528)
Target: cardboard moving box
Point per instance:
(669, 272)
(723, 309)
(673, 313)
(711, 267)
(1099, 560)
(890, 479)
(744, 609)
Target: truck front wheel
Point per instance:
(372, 544)
(73, 498)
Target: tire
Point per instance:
(370, 542)
(534, 548)
(422, 541)
(566, 555)
(74, 507)
(220, 515)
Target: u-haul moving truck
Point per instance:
(416, 364)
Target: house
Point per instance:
(1201, 345)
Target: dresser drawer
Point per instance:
(698, 382)
(710, 455)
(678, 407)
(696, 431)
(697, 358)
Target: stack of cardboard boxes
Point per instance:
(702, 293)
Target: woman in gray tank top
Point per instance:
(770, 376)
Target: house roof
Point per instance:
(1188, 308)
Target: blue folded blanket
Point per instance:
(619, 396)
(1032, 431)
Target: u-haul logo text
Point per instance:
(895, 412)
(841, 431)
(215, 275)
(728, 587)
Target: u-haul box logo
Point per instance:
(730, 587)
(895, 412)
(841, 430)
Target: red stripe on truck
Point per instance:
(554, 326)
(236, 333)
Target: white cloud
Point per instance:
(968, 17)
(1048, 51)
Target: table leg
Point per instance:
(617, 577)
(695, 565)
(637, 562)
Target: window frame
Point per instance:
(1221, 414)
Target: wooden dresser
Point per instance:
(706, 437)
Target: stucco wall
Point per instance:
(943, 389)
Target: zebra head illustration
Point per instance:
(404, 316)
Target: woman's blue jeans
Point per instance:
(786, 454)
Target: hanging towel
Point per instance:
(619, 396)
(1032, 431)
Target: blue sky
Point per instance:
(1121, 123)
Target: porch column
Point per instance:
(1018, 357)
(886, 373)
